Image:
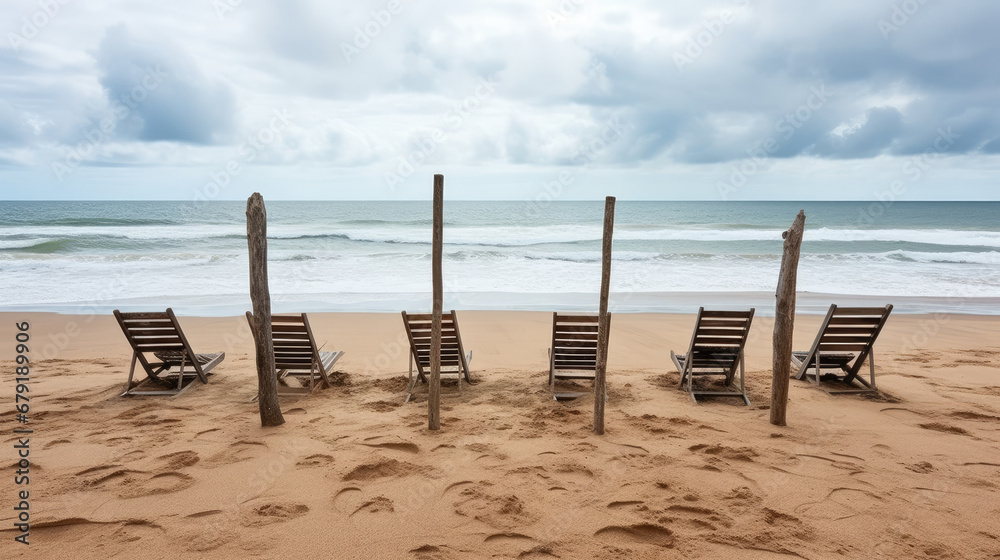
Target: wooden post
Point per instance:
(600, 375)
(260, 297)
(784, 319)
(437, 240)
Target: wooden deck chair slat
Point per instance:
(573, 350)
(172, 332)
(579, 319)
(726, 323)
(717, 340)
(873, 311)
(157, 340)
(845, 320)
(741, 315)
(716, 349)
(163, 324)
(296, 354)
(133, 316)
(845, 341)
(453, 355)
(169, 348)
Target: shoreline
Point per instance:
(807, 303)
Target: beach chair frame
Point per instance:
(573, 351)
(296, 354)
(716, 348)
(160, 334)
(453, 354)
(846, 340)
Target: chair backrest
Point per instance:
(718, 339)
(849, 330)
(292, 338)
(294, 345)
(574, 341)
(156, 332)
(418, 330)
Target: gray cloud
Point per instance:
(167, 95)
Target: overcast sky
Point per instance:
(366, 99)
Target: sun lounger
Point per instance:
(573, 353)
(845, 341)
(454, 360)
(716, 349)
(159, 346)
(296, 355)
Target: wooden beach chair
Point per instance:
(573, 353)
(296, 355)
(159, 345)
(845, 341)
(716, 349)
(453, 355)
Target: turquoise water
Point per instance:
(498, 255)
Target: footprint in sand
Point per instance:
(54, 443)
(178, 460)
(432, 552)
(625, 504)
(348, 499)
(745, 454)
(384, 468)
(840, 503)
(317, 460)
(135, 484)
(238, 451)
(455, 485)
(945, 428)
(405, 447)
(273, 512)
(135, 530)
(379, 504)
(163, 483)
(641, 533)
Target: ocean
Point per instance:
(91, 257)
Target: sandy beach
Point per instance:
(354, 473)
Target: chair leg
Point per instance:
(409, 388)
(871, 367)
(131, 372)
(743, 387)
(180, 374)
(690, 379)
(552, 370)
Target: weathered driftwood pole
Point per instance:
(600, 375)
(784, 319)
(260, 297)
(437, 240)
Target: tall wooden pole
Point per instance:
(600, 376)
(784, 319)
(260, 297)
(434, 386)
